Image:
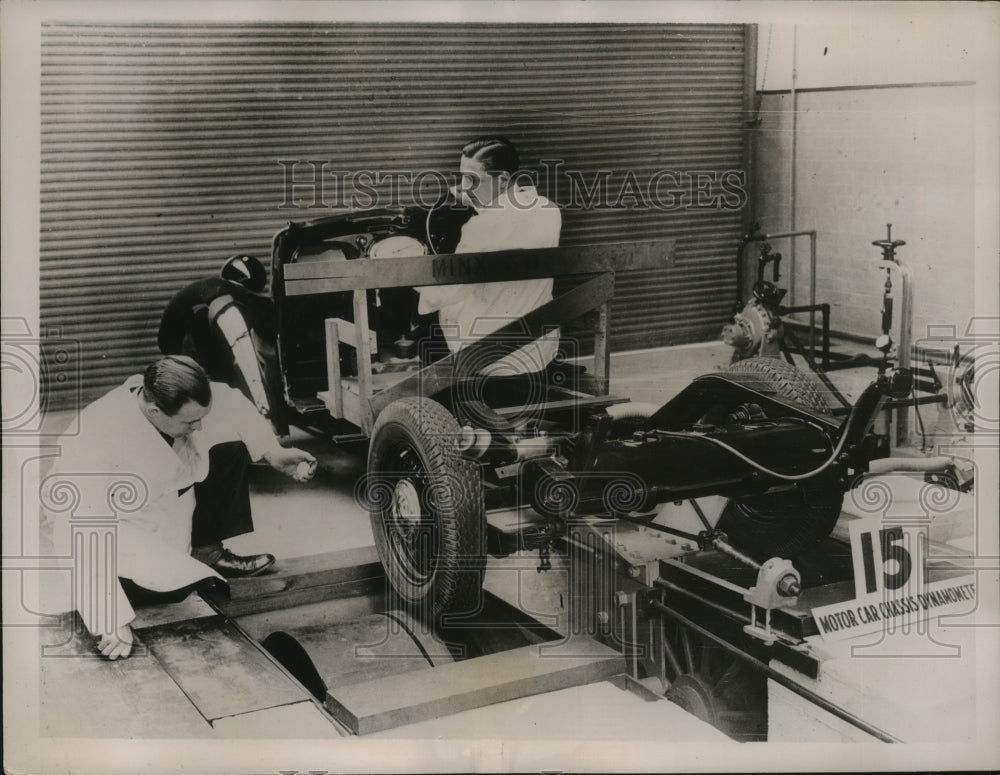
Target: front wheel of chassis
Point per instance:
(426, 507)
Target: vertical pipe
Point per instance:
(792, 165)
(812, 292)
(751, 108)
(905, 343)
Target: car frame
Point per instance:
(338, 349)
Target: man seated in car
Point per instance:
(507, 216)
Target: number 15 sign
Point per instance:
(890, 583)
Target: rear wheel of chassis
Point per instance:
(785, 379)
(426, 508)
(789, 522)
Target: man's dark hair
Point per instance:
(496, 154)
(173, 381)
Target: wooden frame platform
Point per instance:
(361, 400)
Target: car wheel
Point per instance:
(789, 522)
(785, 379)
(426, 507)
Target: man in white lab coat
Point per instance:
(507, 217)
(178, 446)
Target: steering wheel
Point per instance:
(444, 222)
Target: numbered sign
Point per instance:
(890, 584)
(887, 558)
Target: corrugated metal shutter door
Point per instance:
(167, 147)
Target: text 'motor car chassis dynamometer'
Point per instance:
(695, 535)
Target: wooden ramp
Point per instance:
(397, 700)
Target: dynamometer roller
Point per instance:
(742, 472)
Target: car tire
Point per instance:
(788, 523)
(785, 379)
(426, 507)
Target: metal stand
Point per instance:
(884, 342)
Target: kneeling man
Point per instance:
(188, 442)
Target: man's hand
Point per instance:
(118, 644)
(292, 462)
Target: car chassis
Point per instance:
(454, 474)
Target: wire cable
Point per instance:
(764, 469)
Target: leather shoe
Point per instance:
(234, 566)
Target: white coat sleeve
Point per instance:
(234, 418)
